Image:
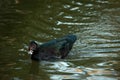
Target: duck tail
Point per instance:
(71, 38)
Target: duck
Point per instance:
(53, 49)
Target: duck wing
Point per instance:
(60, 46)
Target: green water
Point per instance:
(95, 55)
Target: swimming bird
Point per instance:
(53, 49)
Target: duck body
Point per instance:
(54, 49)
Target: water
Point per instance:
(95, 55)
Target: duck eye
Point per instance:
(32, 47)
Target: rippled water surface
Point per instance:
(95, 55)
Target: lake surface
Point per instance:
(95, 54)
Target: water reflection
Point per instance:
(62, 70)
(36, 72)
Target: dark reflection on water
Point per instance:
(36, 72)
(95, 55)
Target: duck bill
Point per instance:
(30, 52)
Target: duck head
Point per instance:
(33, 47)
